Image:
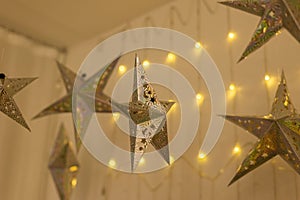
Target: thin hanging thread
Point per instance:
(266, 73)
(210, 9)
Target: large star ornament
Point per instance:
(63, 165)
(64, 104)
(147, 118)
(278, 133)
(275, 15)
(8, 88)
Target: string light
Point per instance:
(197, 45)
(146, 63)
(142, 162)
(116, 116)
(171, 57)
(74, 182)
(73, 168)
(122, 69)
(201, 156)
(232, 87)
(172, 160)
(278, 33)
(236, 150)
(267, 77)
(199, 98)
(112, 163)
(231, 36)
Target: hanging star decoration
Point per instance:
(147, 118)
(278, 133)
(8, 88)
(64, 105)
(63, 165)
(275, 15)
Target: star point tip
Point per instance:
(137, 60)
(233, 180)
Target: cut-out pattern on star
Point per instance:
(147, 118)
(275, 15)
(8, 88)
(278, 134)
(63, 165)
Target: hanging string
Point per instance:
(266, 73)
(209, 9)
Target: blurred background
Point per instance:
(34, 34)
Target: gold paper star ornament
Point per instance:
(147, 118)
(64, 165)
(275, 15)
(278, 133)
(8, 88)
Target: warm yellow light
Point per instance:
(116, 116)
(278, 33)
(199, 96)
(122, 69)
(146, 63)
(73, 168)
(201, 156)
(112, 163)
(74, 182)
(232, 87)
(197, 45)
(171, 57)
(142, 161)
(172, 160)
(267, 77)
(231, 36)
(236, 150)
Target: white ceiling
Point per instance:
(66, 22)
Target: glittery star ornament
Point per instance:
(275, 15)
(8, 88)
(278, 133)
(63, 165)
(64, 104)
(147, 118)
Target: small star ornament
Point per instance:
(8, 88)
(63, 165)
(275, 15)
(278, 133)
(147, 118)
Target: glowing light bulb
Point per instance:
(201, 156)
(236, 150)
(172, 160)
(116, 116)
(278, 33)
(73, 168)
(171, 57)
(199, 96)
(146, 63)
(112, 163)
(232, 87)
(74, 182)
(267, 77)
(231, 36)
(122, 69)
(197, 45)
(142, 161)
